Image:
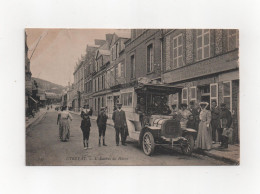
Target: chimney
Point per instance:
(109, 37)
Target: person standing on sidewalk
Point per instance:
(204, 140)
(225, 124)
(120, 125)
(102, 124)
(215, 122)
(85, 128)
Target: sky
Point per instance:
(58, 50)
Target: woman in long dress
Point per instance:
(64, 125)
(204, 141)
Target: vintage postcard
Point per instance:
(149, 97)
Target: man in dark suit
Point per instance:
(120, 125)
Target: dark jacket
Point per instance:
(102, 119)
(85, 123)
(225, 118)
(119, 119)
(192, 124)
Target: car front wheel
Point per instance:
(188, 146)
(148, 143)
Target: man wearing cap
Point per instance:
(120, 125)
(102, 123)
(225, 124)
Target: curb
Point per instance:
(39, 118)
(229, 160)
(224, 159)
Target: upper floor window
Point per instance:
(120, 70)
(203, 44)
(117, 50)
(232, 39)
(149, 60)
(132, 66)
(178, 51)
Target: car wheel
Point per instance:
(148, 143)
(188, 146)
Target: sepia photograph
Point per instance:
(132, 97)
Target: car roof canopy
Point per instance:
(157, 88)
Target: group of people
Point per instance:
(119, 118)
(207, 122)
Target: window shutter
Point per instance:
(193, 94)
(119, 70)
(227, 94)
(185, 95)
(213, 93)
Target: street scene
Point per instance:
(167, 97)
(43, 147)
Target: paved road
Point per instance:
(44, 148)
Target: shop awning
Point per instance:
(35, 101)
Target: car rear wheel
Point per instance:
(188, 146)
(148, 143)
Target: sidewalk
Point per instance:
(230, 154)
(37, 117)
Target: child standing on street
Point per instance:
(85, 127)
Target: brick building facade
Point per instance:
(205, 63)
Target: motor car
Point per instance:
(154, 125)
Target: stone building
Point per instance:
(115, 71)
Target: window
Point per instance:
(114, 52)
(193, 93)
(227, 94)
(132, 63)
(177, 51)
(117, 50)
(213, 93)
(185, 95)
(149, 59)
(203, 44)
(126, 99)
(232, 39)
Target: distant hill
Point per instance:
(48, 86)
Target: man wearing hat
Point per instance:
(102, 123)
(225, 124)
(120, 125)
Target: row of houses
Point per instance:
(204, 62)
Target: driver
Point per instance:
(140, 109)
